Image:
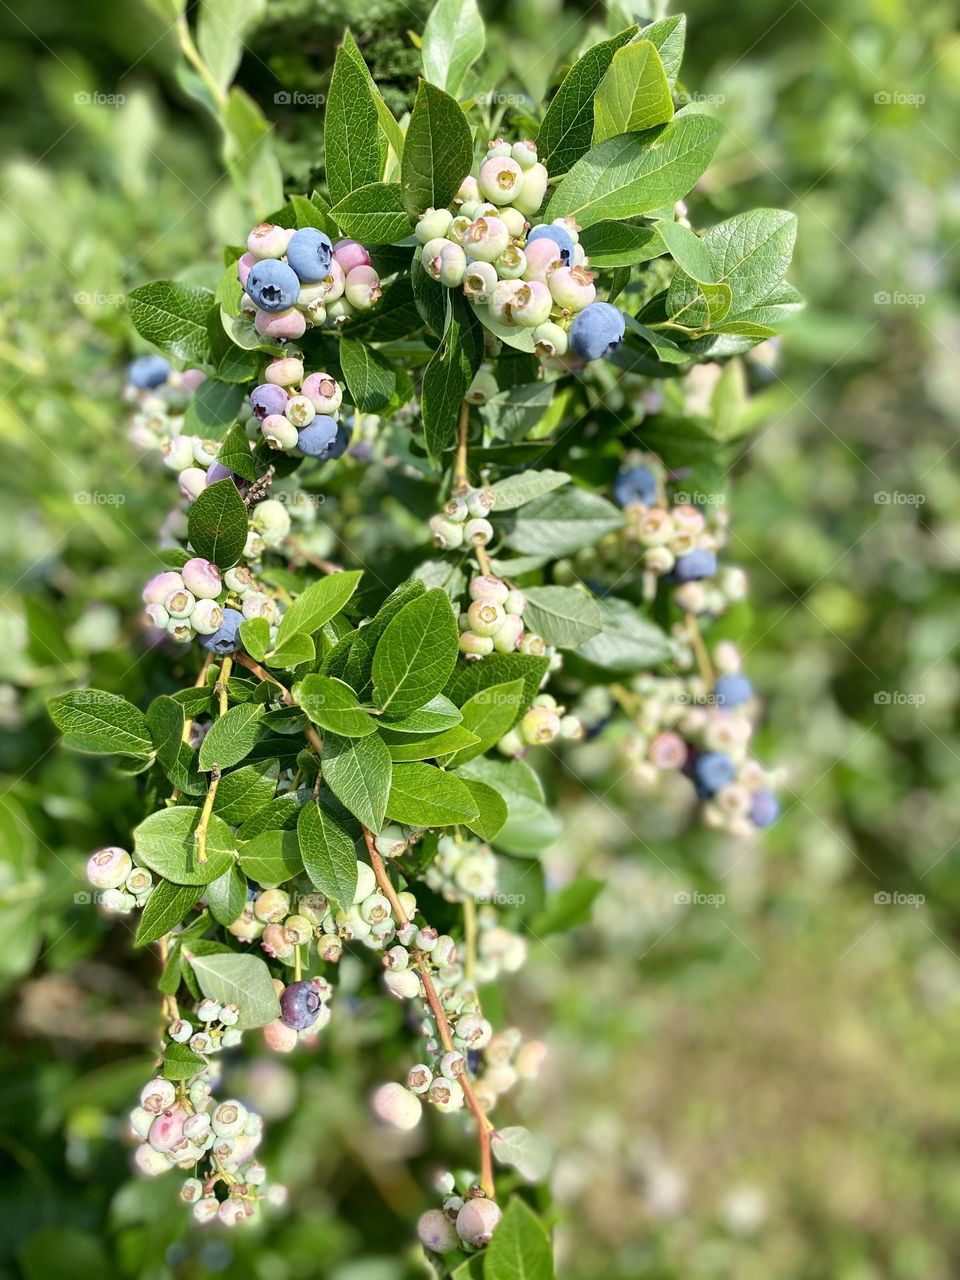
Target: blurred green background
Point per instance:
(757, 1085)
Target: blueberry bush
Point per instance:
(449, 436)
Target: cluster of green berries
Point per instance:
(543, 723)
(493, 620)
(522, 276)
(298, 413)
(184, 603)
(183, 1126)
(293, 279)
(463, 869)
(464, 520)
(159, 395)
(120, 885)
(682, 726)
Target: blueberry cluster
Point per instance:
(183, 1126)
(493, 621)
(463, 869)
(120, 885)
(185, 604)
(295, 278)
(298, 414)
(531, 277)
(705, 733)
(159, 395)
(467, 1219)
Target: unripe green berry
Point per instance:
(445, 1094)
(509, 635)
(433, 224)
(474, 646)
(272, 905)
(485, 617)
(511, 264)
(478, 532)
(396, 1106)
(550, 340)
(447, 534)
(540, 725)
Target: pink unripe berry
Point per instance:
(334, 283)
(167, 1129)
(487, 587)
(285, 372)
(477, 1221)
(572, 288)
(363, 287)
(543, 258)
(486, 238)
(501, 178)
(202, 578)
(280, 324)
(279, 1037)
(268, 240)
(350, 254)
(396, 1106)
(668, 751)
(245, 263)
(108, 868)
(161, 585)
(324, 392)
(190, 379)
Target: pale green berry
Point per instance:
(540, 725)
(570, 728)
(300, 411)
(478, 532)
(434, 223)
(207, 617)
(474, 646)
(239, 579)
(299, 929)
(446, 1095)
(271, 520)
(509, 635)
(391, 842)
(205, 451)
(178, 453)
(455, 508)
(550, 340)
(228, 1119)
(511, 264)
(375, 908)
(402, 983)
(351, 925)
(179, 604)
(458, 229)
(453, 1064)
(479, 281)
(525, 153)
(533, 188)
(366, 881)
(511, 744)
(447, 534)
(532, 643)
(179, 629)
(482, 388)
(501, 179)
(396, 1106)
(497, 147)
(208, 1010)
(272, 906)
(515, 221)
(485, 617)
(419, 1078)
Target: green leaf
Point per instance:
(227, 896)
(567, 129)
(217, 524)
(278, 814)
(416, 654)
(235, 453)
(637, 173)
(255, 635)
(434, 716)
(558, 524)
(634, 93)
(320, 602)
(245, 792)
(314, 212)
(327, 850)
(355, 146)
(697, 304)
(620, 244)
(751, 253)
(453, 39)
(447, 377)
(375, 213)
(359, 664)
(665, 348)
(95, 721)
(519, 1248)
(530, 826)
(524, 1151)
(491, 809)
(370, 376)
(165, 843)
(668, 35)
(166, 719)
(181, 1063)
(294, 651)
(212, 408)
(439, 744)
(489, 714)
(568, 908)
(687, 249)
(164, 909)
(231, 736)
(242, 980)
(499, 668)
(221, 27)
(421, 795)
(173, 317)
(628, 643)
(516, 491)
(333, 705)
(437, 153)
(271, 858)
(564, 616)
(357, 771)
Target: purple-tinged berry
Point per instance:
(765, 808)
(477, 1221)
(225, 639)
(324, 392)
(350, 254)
(268, 398)
(732, 690)
(633, 485)
(561, 238)
(245, 264)
(543, 258)
(202, 578)
(300, 1005)
(596, 331)
(309, 254)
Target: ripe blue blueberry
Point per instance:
(273, 285)
(300, 1005)
(267, 399)
(696, 564)
(596, 331)
(765, 808)
(560, 237)
(635, 484)
(309, 253)
(316, 439)
(148, 371)
(225, 640)
(712, 771)
(732, 690)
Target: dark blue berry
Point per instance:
(635, 484)
(596, 331)
(300, 1005)
(732, 690)
(148, 371)
(712, 771)
(226, 639)
(310, 254)
(273, 285)
(696, 564)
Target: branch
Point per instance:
(316, 742)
